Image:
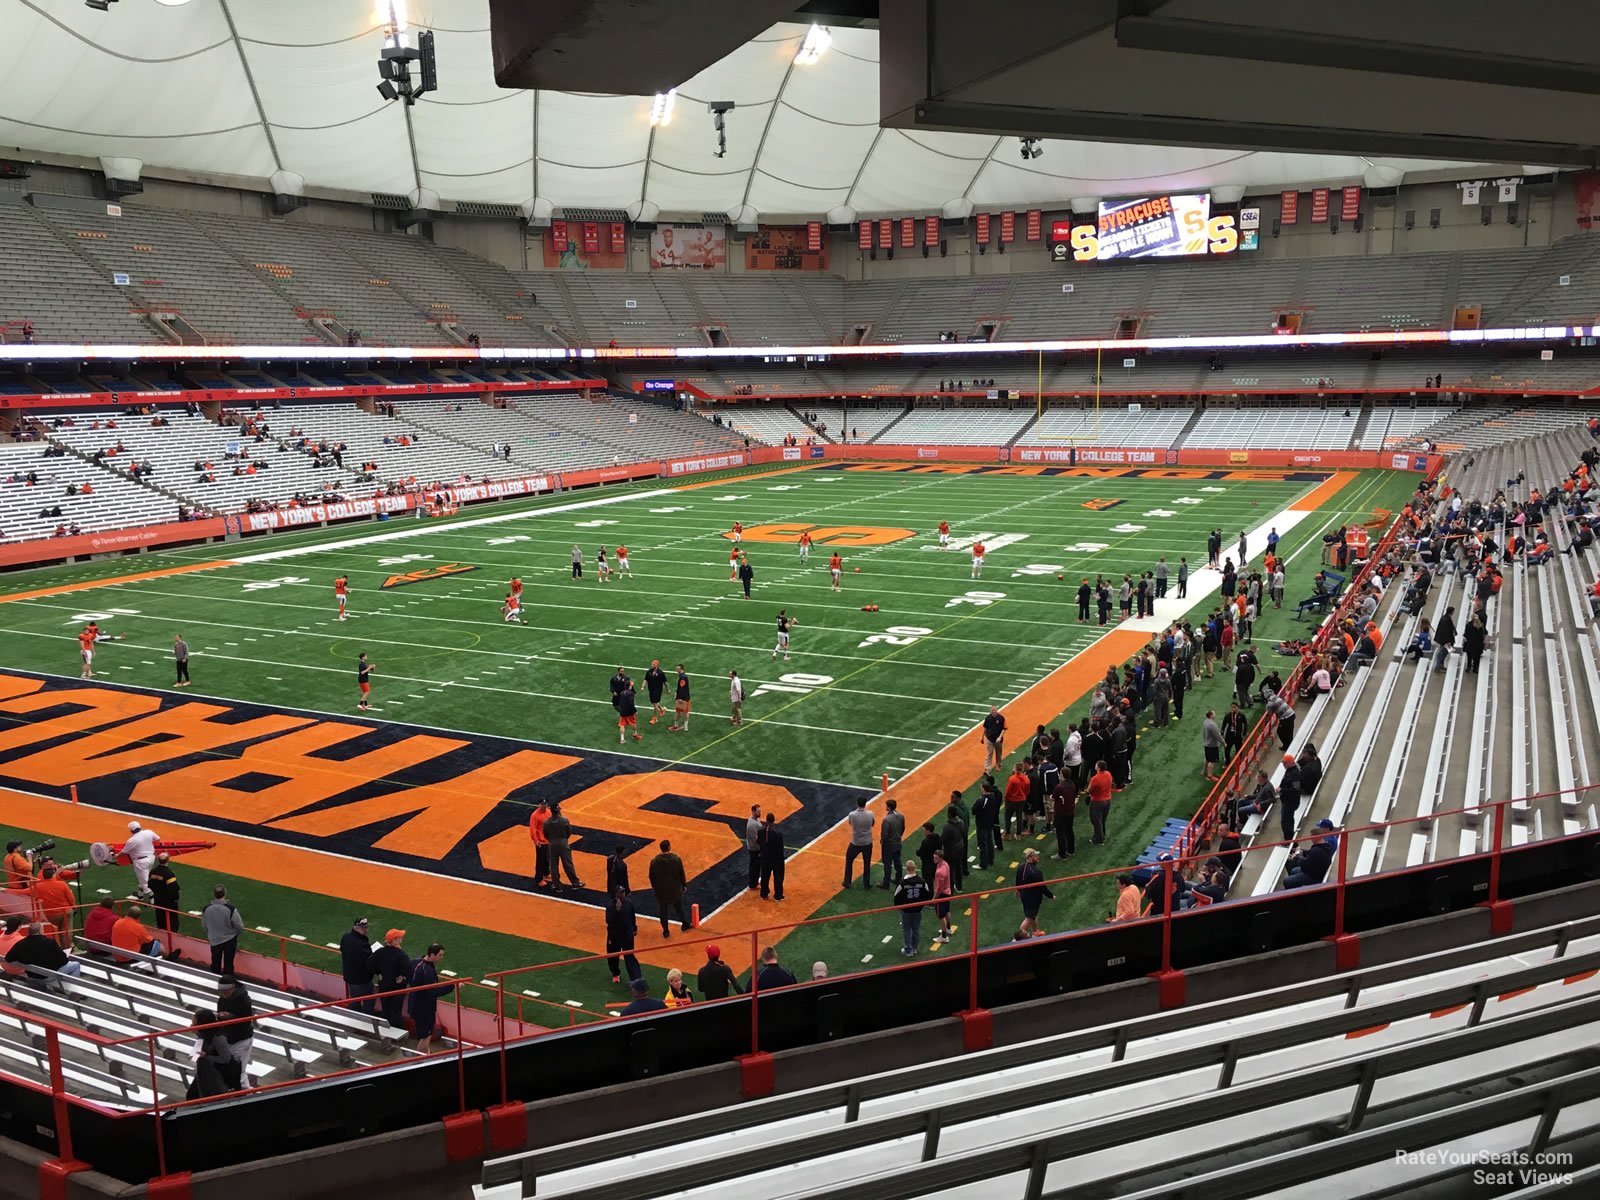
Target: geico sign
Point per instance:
(1221, 234)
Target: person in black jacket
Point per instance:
(1235, 727)
(772, 975)
(1288, 796)
(770, 844)
(931, 844)
(1473, 639)
(617, 871)
(986, 810)
(1032, 893)
(1444, 638)
(355, 953)
(1310, 770)
(953, 843)
(622, 927)
(233, 1003)
(215, 1071)
(1310, 864)
(392, 966)
(716, 979)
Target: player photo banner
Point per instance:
(591, 237)
(688, 248)
(619, 238)
(558, 235)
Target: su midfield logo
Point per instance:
(826, 535)
(446, 803)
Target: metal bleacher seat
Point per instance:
(1145, 1102)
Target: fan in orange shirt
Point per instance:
(55, 900)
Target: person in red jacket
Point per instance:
(541, 844)
(97, 925)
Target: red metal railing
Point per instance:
(989, 932)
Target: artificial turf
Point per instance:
(867, 693)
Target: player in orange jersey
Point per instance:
(516, 587)
(977, 560)
(805, 549)
(738, 533)
(733, 565)
(622, 562)
(512, 608)
(944, 535)
(835, 568)
(341, 591)
(86, 653)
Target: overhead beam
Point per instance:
(1169, 130)
(1214, 39)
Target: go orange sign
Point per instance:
(827, 535)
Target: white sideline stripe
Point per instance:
(476, 522)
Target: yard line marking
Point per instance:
(116, 581)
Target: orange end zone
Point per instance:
(88, 585)
(1323, 492)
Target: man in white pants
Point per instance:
(141, 851)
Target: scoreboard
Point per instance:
(1171, 226)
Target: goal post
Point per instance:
(1089, 432)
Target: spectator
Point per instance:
(986, 815)
(130, 937)
(942, 891)
(216, 1073)
(98, 924)
(668, 881)
(772, 860)
(752, 845)
(233, 1003)
(1235, 725)
(165, 888)
(392, 967)
(622, 928)
(678, 995)
(1259, 801)
(1288, 796)
(222, 924)
(1063, 812)
(1100, 788)
(891, 834)
(771, 974)
(54, 897)
(1211, 742)
(1280, 708)
(643, 1001)
(423, 1004)
(558, 833)
(1309, 865)
(355, 953)
(861, 822)
(716, 979)
(42, 958)
(1310, 770)
(617, 870)
(952, 840)
(1032, 893)
(911, 896)
(1130, 900)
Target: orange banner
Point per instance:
(139, 537)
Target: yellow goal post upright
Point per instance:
(1089, 435)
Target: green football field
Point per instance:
(866, 692)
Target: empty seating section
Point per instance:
(631, 309)
(933, 306)
(959, 426)
(1041, 307)
(526, 310)
(1108, 426)
(307, 262)
(1237, 295)
(43, 282)
(1476, 428)
(176, 267)
(767, 423)
(1561, 285)
(1146, 1106)
(1402, 291)
(1271, 428)
(1400, 426)
(774, 311)
(865, 422)
(115, 503)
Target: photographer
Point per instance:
(19, 866)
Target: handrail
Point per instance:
(1117, 1036)
(1229, 1099)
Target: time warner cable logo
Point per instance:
(1505, 1168)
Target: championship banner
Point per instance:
(865, 230)
(885, 233)
(1289, 208)
(930, 231)
(982, 225)
(1319, 205)
(591, 237)
(908, 232)
(558, 235)
(619, 237)
(1008, 226)
(1035, 224)
(813, 235)
(783, 248)
(1350, 203)
(688, 247)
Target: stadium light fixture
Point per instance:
(1031, 149)
(816, 44)
(99, 5)
(661, 108)
(392, 17)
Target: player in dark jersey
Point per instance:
(655, 682)
(627, 712)
(747, 574)
(680, 705)
(784, 622)
(619, 681)
(364, 679)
